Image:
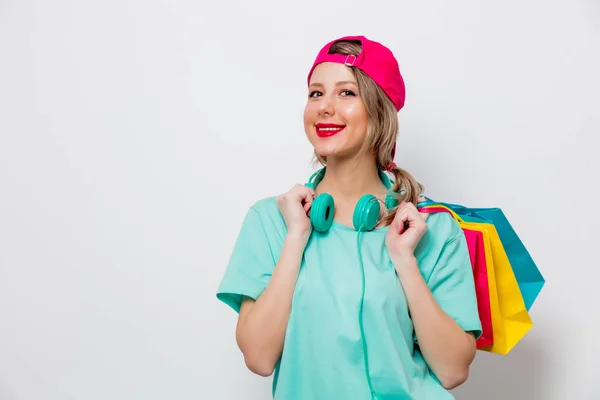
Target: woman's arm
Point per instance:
(446, 347)
(262, 323)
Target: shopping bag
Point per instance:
(476, 246)
(475, 242)
(510, 317)
(529, 277)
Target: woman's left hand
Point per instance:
(406, 231)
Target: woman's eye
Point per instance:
(347, 93)
(314, 93)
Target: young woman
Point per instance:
(344, 289)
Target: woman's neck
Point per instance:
(348, 180)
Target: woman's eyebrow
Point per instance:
(340, 83)
(345, 83)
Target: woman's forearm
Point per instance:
(262, 323)
(446, 347)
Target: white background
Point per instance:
(135, 134)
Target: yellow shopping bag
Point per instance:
(510, 318)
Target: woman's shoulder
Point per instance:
(443, 245)
(266, 208)
(443, 225)
(265, 211)
(442, 229)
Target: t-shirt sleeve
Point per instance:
(453, 285)
(250, 264)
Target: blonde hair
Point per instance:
(382, 131)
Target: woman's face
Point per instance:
(335, 118)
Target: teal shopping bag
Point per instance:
(528, 275)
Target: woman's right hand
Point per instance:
(295, 206)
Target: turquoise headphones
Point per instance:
(366, 212)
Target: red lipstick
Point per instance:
(328, 130)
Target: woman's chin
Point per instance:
(334, 151)
(328, 150)
(337, 146)
(329, 154)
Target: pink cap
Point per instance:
(375, 60)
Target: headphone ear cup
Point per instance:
(366, 213)
(391, 201)
(321, 212)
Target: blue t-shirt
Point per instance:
(332, 349)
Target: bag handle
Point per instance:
(429, 206)
(438, 208)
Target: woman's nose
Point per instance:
(326, 106)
